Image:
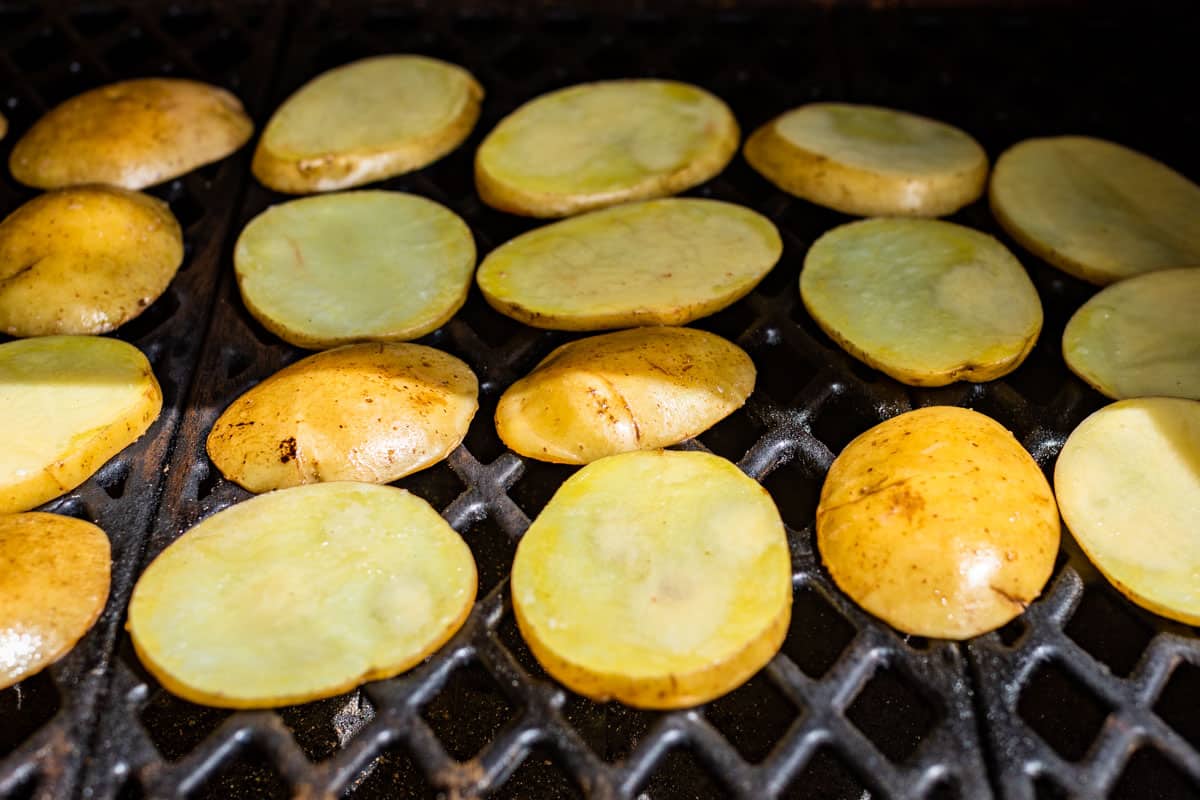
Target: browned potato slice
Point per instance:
(938, 522)
(84, 260)
(365, 412)
(3, 126)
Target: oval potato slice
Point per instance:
(925, 301)
(599, 144)
(938, 522)
(1094, 209)
(364, 412)
(661, 262)
(406, 274)
(869, 161)
(661, 579)
(67, 405)
(85, 259)
(366, 121)
(632, 390)
(134, 134)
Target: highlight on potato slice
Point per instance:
(1128, 484)
(67, 405)
(365, 121)
(869, 161)
(301, 594)
(661, 262)
(925, 301)
(599, 144)
(1095, 209)
(133, 134)
(938, 522)
(85, 260)
(358, 266)
(660, 579)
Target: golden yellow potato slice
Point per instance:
(134, 134)
(598, 144)
(86, 259)
(3, 126)
(1094, 209)
(661, 262)
(363, 412)
(938, 522)
(661, 579)
(869, 161)
(301, 594)
(67, 405)
(925, 301)
(1128, 484)
(358, 266)
(632, 390)
(366, 121)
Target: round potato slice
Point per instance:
(366, 121)
(85, 260)
(599, 144)
(1094, 209)
(925, 301)
(67, 405)
(661, 579)
(661, 262)
(363, 412)
(133, 134)
(353, 267)
(869, 161)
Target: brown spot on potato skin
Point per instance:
(287, 449)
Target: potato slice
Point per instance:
(406, 274)
(3, 126)
(1094, 209)
(632, 390)
(133, 134)
(661, 579)
(85, 260)
(67, 405)
(662, 262)
(925, 301)
(599, 144)
(366, 121)
(363, 412)
(869, 161)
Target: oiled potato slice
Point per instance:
(85, 260)
(662, 262)
(869, 161)
(406, 272)
(598, 144)
(925, 301)
(1094, 209)
(363, 412)
(366, 121)
(133, 134)
(67, 405)
(1128, 484)
(301, 594)
(661, 579)
(632, 390)
(938, 522)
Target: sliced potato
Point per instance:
(85, 260)
(366, 121)
(661, 579)
(938, 522)
(363, 412)
(406, 273)
(925, 301)
(133, 134)
(662, 262)
(599, 144)
(3, 126)
(67, 405)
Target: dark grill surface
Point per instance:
(1085, 695)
